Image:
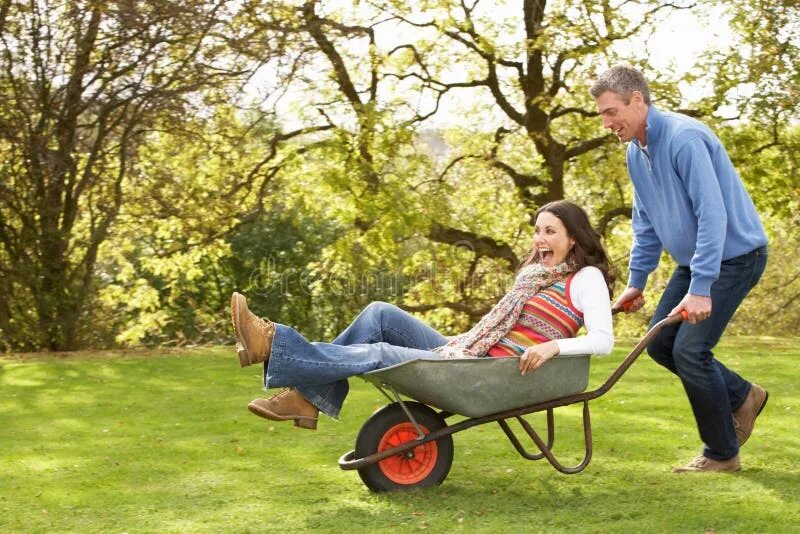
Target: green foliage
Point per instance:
(269, 263)
(771, 171)
(760, 75)
(336, 176)
(81, 85)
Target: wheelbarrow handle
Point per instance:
(639, 348)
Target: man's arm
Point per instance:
(696, 170)
(645, 253)
(646, 248)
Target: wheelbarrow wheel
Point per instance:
(423, 466)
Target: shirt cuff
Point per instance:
(701, 286)
(637, 279)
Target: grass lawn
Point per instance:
(163, 442)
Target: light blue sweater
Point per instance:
(689, 200)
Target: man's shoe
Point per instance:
(745, 417)
(287, 405)
(254, 335)
(701, 463)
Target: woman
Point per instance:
(563, 283)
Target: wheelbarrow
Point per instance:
(408, 443)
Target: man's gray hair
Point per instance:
(622, 80)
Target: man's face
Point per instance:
(625, 120)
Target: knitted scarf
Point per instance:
(505, 314)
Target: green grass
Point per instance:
(163, 442)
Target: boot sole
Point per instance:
(763, 404)
(243, 360)
(685, 470)
(760, 409)
(300, 421)
(236, 304)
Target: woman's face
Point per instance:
(552, 240)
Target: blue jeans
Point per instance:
(714, 391)
(382, 335)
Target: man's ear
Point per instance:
(636, 96)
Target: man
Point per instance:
(689, 200)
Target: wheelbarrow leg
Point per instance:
(517, 445)
(546, 448)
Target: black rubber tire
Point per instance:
(381, 423)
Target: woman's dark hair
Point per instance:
(588, 250)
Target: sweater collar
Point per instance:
(653, 127)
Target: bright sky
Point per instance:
(677, 44)
(674, 47)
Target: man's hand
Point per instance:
(632, 298)
(697, 307)
(535, 356)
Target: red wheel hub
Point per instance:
(412, 466)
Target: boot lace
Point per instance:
(699, 462)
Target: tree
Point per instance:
(142, 182)
(757, 87)
(205, 217)
(81, 86)
(529, 75)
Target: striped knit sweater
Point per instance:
(548, 315)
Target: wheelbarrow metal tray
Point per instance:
(483, 386)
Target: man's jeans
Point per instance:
(382, 335)
(714, 391)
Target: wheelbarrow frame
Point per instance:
(348, 461)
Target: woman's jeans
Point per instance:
(714, 391)
(382, 335)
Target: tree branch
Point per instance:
(480, 245)
(610, 215)
(314, 26)
(586, 146)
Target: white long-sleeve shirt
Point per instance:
(589, 294)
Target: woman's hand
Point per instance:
(535, 356)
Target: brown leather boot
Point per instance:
(703, 464)
(286, 405)
(254, 335)
(744, 419)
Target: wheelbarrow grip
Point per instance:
(625, 306)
